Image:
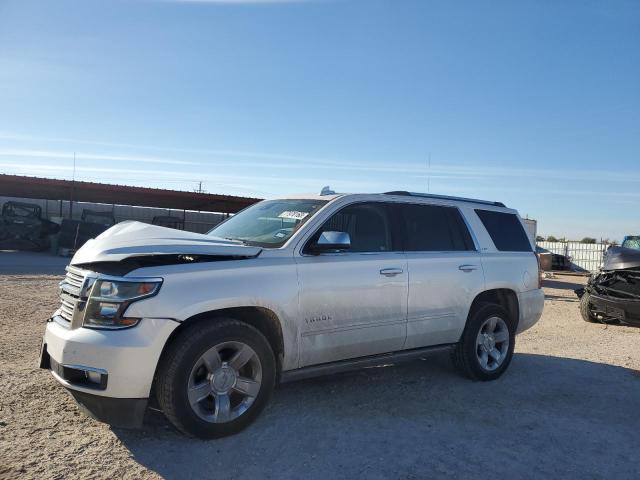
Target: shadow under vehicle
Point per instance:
(613, 294)
(23, 228)
(336, 427)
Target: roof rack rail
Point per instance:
(445, 197)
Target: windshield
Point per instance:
(632, 242)
(269, 223)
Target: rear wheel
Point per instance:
(216, 378)
(486, 347)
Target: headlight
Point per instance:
(110, 299)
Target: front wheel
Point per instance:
(216, 378)
(585, 309)
(486, 347)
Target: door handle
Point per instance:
(391, 272)
(468, 268)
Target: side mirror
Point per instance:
(332, 241)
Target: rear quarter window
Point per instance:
(505, 230)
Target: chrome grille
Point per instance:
(70, 290)
(75, 277)
(67, 306)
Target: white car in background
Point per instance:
(206, 325)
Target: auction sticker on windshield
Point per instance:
(292, 214)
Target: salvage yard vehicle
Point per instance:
(207, 325)
(23, 228)
(168, 221)
(75, 233)
(613, 294)
(632, 242)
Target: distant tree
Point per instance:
(539, 238)
(562, 239)
(588, 240)
(551, 238)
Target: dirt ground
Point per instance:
(567, 408)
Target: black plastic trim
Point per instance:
(118, 412)
(631, 308)
(76, 376)
(404, 193)
(361, 362)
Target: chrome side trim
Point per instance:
(359, 326)
(363, 362)
(426, 318)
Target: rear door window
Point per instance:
(505, 230)
(433, 228)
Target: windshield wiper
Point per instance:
(235, 240)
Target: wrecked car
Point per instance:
(613, 294)
(203, 326)
(167, 221)
(23, 228)
(631, 241)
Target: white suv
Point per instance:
(206, 325)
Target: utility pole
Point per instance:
(200, 190)
(429, 173)
(73, 186)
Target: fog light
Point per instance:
(94, 377)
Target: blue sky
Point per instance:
(536, 104)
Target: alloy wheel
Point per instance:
(224, 382)
(492, 343)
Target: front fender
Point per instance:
(194, 289)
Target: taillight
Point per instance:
(539, 271)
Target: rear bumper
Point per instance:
(531, 305)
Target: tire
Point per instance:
(468, 354)
(203, 359)
(585, 311)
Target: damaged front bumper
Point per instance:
(109, 372)
(610, 308)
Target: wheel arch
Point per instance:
(263, 319)
(505, 297)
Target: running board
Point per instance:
(362, 362)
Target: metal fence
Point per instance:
(579, 257)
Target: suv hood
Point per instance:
(135, 239)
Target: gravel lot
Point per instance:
(567, 408)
